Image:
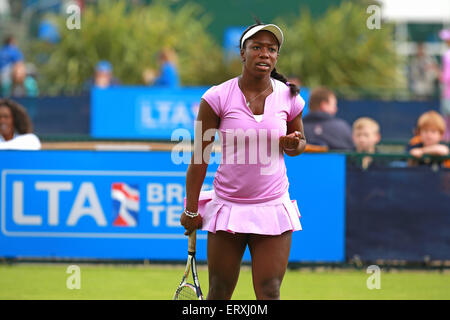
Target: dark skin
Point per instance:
(6, 123)
(270, 254)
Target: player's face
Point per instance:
(430, 136)
(260, 53)
(6, 123)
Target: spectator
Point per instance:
(168, 73)
(445, 79)
(322, 127)
(10, 54)
(148, 75)
(22, 84)
(16, 127)
(103, 77)
(423, 71)
(366, 136)
(47, 31)
(430, 131)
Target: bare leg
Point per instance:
(225, 251)
(270, 256)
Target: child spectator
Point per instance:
(430, 132)
(366, 135)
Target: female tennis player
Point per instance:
(248, 205)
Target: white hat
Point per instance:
(268, 27)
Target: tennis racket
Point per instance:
(188, 291)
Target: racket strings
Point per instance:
(186, 292)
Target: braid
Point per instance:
(278, 76)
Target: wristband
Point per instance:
(190, 214)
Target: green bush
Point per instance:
(341, 52)
(336, 50)
(130, 38)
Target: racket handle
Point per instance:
(192, 242)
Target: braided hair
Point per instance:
(274, 74)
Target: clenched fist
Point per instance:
(291, 141)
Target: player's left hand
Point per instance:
(291, 141)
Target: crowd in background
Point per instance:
(323, 128)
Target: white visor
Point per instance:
(268, 27)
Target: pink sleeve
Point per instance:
(212, 96)
(446, 68)
(296, 107)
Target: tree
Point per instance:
(341, 52)
(129, 37)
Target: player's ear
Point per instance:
(242, 53)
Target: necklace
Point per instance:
(247, 102)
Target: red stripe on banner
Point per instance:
(121, 187)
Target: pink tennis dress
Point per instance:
(250, 192)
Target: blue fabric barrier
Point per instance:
(398, 214)
(59, 116)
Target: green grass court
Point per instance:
(158, 282)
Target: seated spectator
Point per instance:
(16, 128)
(423, 73)
(168, 74)
(366, 136)
(10, 54)
(48, 31)
(430, 131)
(22, 84)
(322, 127)
(103, 77)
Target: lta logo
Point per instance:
(125, 204)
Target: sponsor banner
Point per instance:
(127, 205)
(147, 113)
(139, 112)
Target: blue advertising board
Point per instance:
(145, 112)
(126, 205)
(142, 112)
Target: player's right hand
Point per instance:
(190, 224)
